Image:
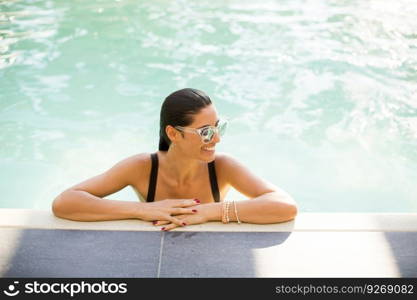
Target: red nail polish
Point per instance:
(196, 200)
(194, 210)
(183, 223)
(163, 228)
(154, 222)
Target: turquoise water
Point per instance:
(322, 94)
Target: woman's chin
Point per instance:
(208, 155)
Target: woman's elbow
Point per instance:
(58, 206)
(291, 211)
(287, 209)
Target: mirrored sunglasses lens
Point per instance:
(222, 128)
(209, 132)
(207, 135)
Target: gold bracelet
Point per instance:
(237, 217)
(224, 212)
(227, 212)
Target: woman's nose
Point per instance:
(216, 137)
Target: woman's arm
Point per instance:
(83, 202)
(266, 204)
(271, 207)
(268, 208)
(80, 205)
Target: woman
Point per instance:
(185, 182)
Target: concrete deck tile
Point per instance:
(214, 254)
(296, 254)
(76, 253)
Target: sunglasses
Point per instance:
(206, 133)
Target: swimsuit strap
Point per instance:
(213, 182)
(154, 176)
(152, 180)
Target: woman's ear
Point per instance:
(172, 133)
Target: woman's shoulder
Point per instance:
(137, 162)
(137, 158)
(223, 161)
(224, 158)
(226, 161)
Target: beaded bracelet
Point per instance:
(225, 212)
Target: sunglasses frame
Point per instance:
(222, 123)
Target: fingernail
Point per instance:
(163, 228)
(154, 222)
(194, 210)
(196, 200)
(183, 223)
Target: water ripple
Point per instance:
(338, 77)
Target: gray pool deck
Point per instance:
(35, 243)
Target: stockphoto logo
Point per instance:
(11, 289)
(72, 289)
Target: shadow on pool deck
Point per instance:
(76, 253)
(404, 249)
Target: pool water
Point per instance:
(321, 94)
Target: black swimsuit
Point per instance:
(154, 175)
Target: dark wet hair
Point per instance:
(178, 109)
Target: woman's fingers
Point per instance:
(175, 211)
(157, 223)
(183, 211)
(186, 202)
(172, 223)
(169, 227)
(176, 221)
(179, 207)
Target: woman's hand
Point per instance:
(205, 212)
(196, 218)
(164, 210)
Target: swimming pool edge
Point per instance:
(305, 221)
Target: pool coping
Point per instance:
(305, 221)
(38, 244)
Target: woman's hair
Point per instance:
(178, 109)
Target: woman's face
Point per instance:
(192, 143)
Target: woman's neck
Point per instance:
(180, 168)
